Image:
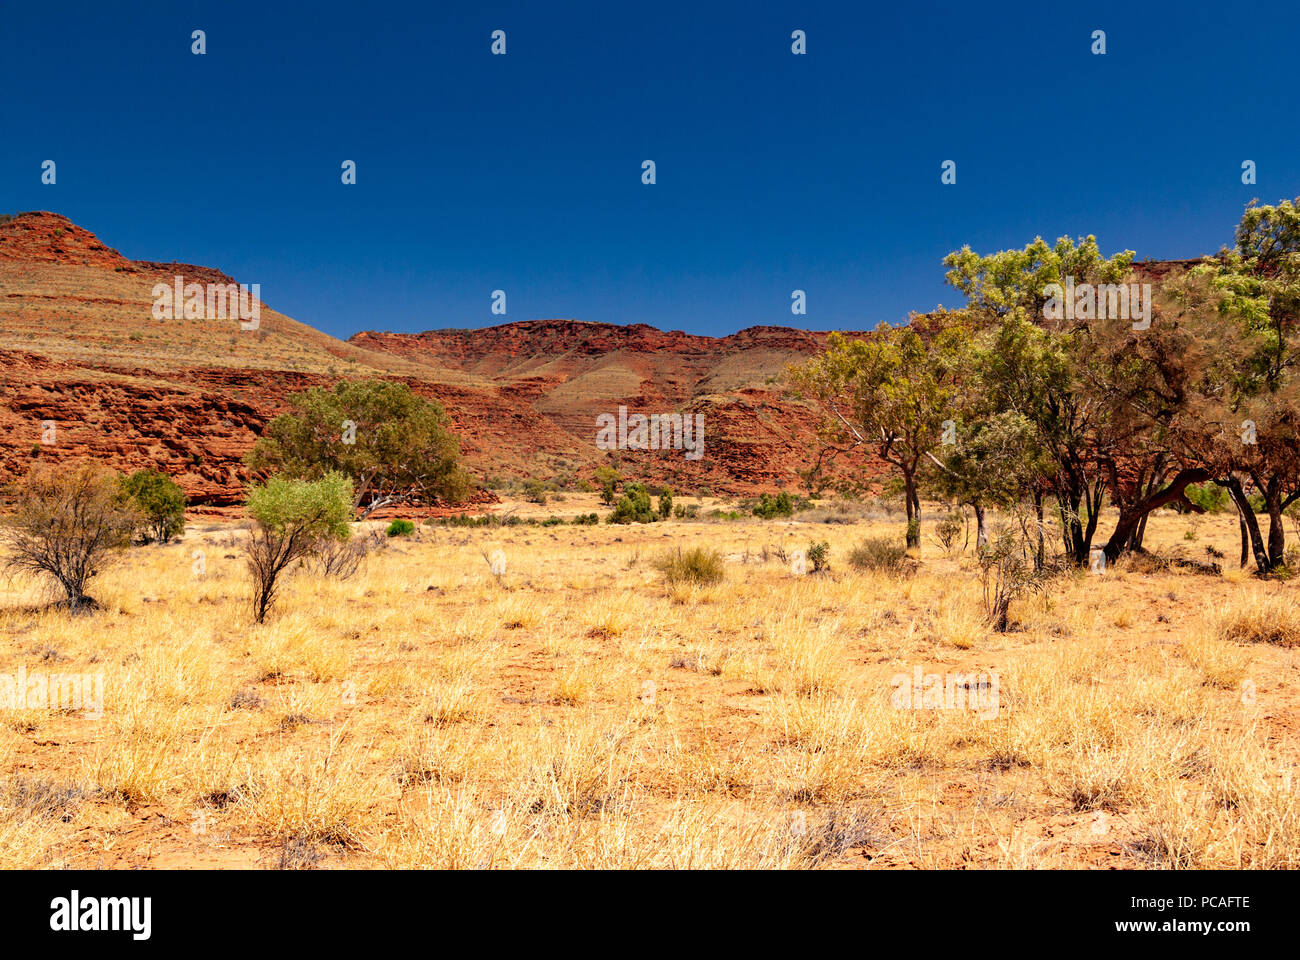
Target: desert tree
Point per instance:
(1158, 384)
(1030, 363)
(290, 520)
(1259, 279)
(395, 446)
(887, 397)
(68, 524)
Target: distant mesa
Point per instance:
(78, 346)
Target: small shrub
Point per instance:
(161, 503)
(665, 504)
(819, 555)
(585, 519)
(608, 478)
(878, 553)
(67, 525)
(948, 529)
(634, 506)
(717, 514)
(535, 492)
(400, 528)
(291, 518)
(769, 506)
(1005, 575)
(698, 565)
(338, 559)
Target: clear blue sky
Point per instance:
(523, 172)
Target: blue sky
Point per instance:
(523, 172)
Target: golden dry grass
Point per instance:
(579, 712)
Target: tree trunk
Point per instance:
(913, 510)
(1276, 530)
(1251, 522)
(1040, 554)
(981, 531)
(1131, 526)
(1140, 535)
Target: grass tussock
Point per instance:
(879, 554)
(1272, 618)
(698, 566)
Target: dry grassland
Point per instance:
(577, 712)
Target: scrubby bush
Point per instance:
(535, 491)
(948, 529)
(585, 519)
(160, 501)
(340, 559)
(291, 519)
(819, 555)
(395, 446)
(719, 514)
(634, 506)
(695, 565)
(608, 478)
(665, 503)
(68, 525)
(769, 506)
(400, 528)
(879, 554)
(1006, 575)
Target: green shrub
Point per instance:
(608, 478)
(665, 504)
(535, 492)
(634, 506)
(292, 518)
(769, 506)
(878, 553)
(698, 565)
(718, 514)
(819, 555)
(161, 503)
(585, 519)
(400, 528)
(400, 445)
